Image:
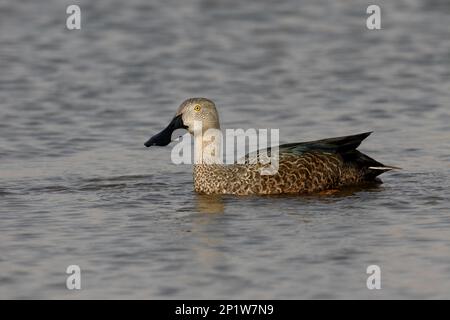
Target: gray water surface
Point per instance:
(78, 187)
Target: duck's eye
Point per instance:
(197, 108)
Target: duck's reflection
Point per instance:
(210, 203)
(214, 204)
(210, 229)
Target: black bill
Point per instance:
(165, 137)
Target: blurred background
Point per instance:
(78, 187)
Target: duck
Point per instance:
(302, 167)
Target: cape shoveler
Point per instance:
(303, 167)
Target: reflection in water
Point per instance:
(331, 194)
(209, 231)
(352, 190)
(215, 203)
(209, 203)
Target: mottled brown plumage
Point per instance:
(313, 171)
(306, 167)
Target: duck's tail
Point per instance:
(346, 147)
(365, 163)
(374, 172)
(385, 168)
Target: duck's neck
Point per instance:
(208, 147)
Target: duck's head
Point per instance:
(191, 110)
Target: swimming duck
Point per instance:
(303, 167)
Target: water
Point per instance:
(78, 187)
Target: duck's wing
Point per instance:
(343, 146)
(332, 145)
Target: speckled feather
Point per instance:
(303, 168)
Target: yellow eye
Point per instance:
(197, 108)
